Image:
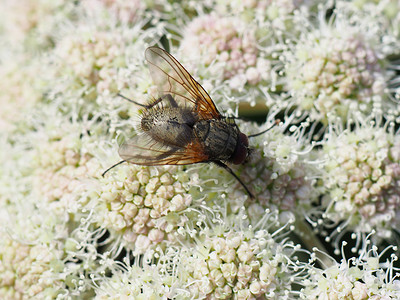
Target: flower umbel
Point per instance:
(362, 178)
(240, 264)
(362, 277)
(26, 270)
(146, 205)
(227, 43)
(334, 69)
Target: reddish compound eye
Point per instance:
(240, 154)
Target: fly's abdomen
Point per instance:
(172, 126)
(218, 137)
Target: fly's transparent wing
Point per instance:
(172, 78)
(144, 150)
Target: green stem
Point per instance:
(311, 241)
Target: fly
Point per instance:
(183, 126)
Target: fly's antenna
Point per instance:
(264, 131)
(117, 164)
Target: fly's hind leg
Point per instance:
(148, 106)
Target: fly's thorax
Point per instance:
(170, 125)
(218, 137)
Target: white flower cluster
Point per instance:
(126, 12)
(147, 206)
(24, 268)
(60, 166)
(90, 59)
(21, 89)
(146, 282)
(279, 173)
(333, 72)
(359, 278)
(227, 42)
(33, 24)
(238, 264)
(278, 185)
(363, 179)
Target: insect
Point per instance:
(183, 126)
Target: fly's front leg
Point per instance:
(222, 165)
(277, 121)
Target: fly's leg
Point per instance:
(148, 106)
(167, 97)
(222, 165)
(113, 166)
(231, 120)
(277, 121)
(170, 99)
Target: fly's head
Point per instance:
(242, 149)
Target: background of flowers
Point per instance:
(328, 173)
